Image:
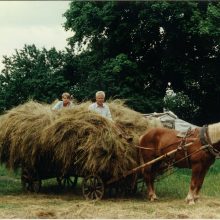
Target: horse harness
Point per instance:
(183, 146)
(206, 142)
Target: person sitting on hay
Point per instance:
(102, 108)
(65, 103)
(99, 106)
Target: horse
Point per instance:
(196, 150)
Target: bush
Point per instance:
(180, 104)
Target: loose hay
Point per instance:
(71, 141)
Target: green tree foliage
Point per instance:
(32, 74)
(130, 49)
(180, 104)
(158, 41)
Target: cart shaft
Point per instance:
(136, 169)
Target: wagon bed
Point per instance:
(93, 185)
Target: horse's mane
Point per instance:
(214, 132)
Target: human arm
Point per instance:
(58, 105)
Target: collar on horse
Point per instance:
(205, 141)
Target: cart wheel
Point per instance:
(25, 180)
(36, 186)
(26, 185)
(30, 186)
(28, 182)
(67, 181)
(93, 187)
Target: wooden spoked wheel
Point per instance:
(36, 186)
(93, 187)
(28, 183)
(31, 186)
(67, 181)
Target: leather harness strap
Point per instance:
(182, 146)
(203, 135)
(205, 140)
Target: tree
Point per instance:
(164, 41)
(180, 104)
(32, 74)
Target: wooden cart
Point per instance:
(93, 185)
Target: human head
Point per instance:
(66, 98)
(100, 97)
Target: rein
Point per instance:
(186, 157)
(146, 148)
(183, 139)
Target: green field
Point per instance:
(174, 185)
(52, 202)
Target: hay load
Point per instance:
(20, 132)
(72, 140)
(131, 122)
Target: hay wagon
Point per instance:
(93, 185)
(37, 136)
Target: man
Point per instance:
(65, 103)
(102, 108)
(99, 106)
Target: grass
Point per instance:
(173, 186)
(177, 184)
(55, 203)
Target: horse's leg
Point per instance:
(200, 181)
(154, 196)
(196, 168)
(198, 174)
(149, 179)
(190, 196)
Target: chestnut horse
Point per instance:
(197, 151)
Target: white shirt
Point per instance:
(102, 110)
(59, 105)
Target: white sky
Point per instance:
(32, 22)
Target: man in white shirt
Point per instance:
(99, 106)
(102, 108)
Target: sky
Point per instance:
(32, 22)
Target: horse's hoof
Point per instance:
(196, 198)
(191, 202)
(153, 198)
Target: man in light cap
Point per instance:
(100, 106)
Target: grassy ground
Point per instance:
(55, 203)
